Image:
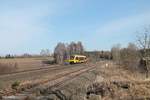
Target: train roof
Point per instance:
(79, 55)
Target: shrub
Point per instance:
(48, 62)
(115, 52)
(15, 85)
(130, 56)
(8, 56)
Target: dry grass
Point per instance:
(23, 63)
(107, 82)
(8, 67)
(119, 83)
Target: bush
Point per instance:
(9, 56)
(48, 61)
(15, 85)
(115, 52)
(129, 56)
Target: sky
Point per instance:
(27, 26)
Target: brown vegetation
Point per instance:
(119, 79)
(143, 40)
(118, 84)
(8, 67)
(134, 56)
(129, 56)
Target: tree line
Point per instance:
(135, 56)
(63, 51)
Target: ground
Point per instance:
(108, 82)
(105, 81)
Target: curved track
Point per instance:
(60, 79)
(30, 70)
(58, 76)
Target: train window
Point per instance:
(71, 57)
(77, 58)
(81, 58)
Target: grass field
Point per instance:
(22, 64)
(106, 81)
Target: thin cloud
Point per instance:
(116, 26)
(18, 26)
(119, 31)
(24, 23)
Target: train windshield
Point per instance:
(72, 57)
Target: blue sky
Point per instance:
(27, 26)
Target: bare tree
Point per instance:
(130, 56)
(80, 48)
(59, 53)
(76, 48)
(67, 52)
(72, 48)
(115, 51)
(45, 52)
(63, 51)
(143, 40)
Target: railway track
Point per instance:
(67, 73)
(52, 68)
(60, 79)
(30, 70)
(70, 77)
